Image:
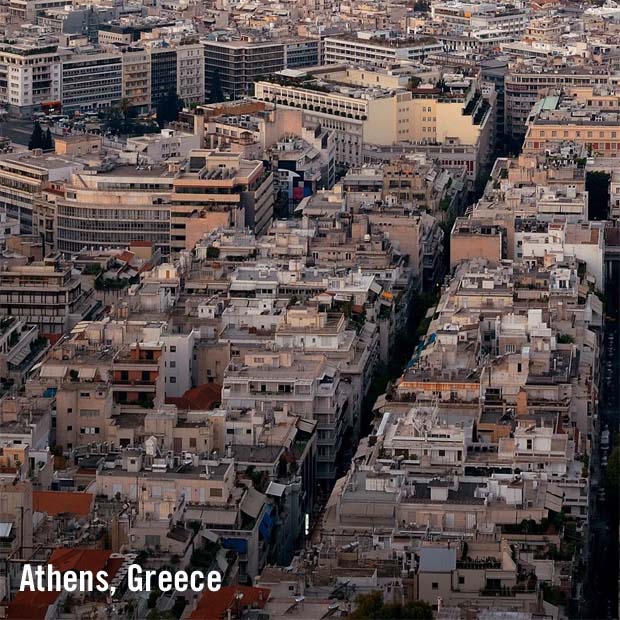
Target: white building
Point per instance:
(191, 72)
(375, 49)
(91, 80)
(179, 362)
(31, 70)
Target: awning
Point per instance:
(252, 503)
(367, 510)
(306, 425)
(240, 545)
(212, 517)
(53, 372)
(19, 356)
(5, 529)
(276, 489)
(211, 536)
(87, 373)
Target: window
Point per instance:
(151, 540)
(69, 428)
(442, 453)
(461, 580)
(510, 348)
(435, 585)
(192, 442)
(173, 364)
(173, 379)
(215, 493)
(173, 349)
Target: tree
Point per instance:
(48, 141)
(168, 108)
(597, 186)
(612, 475)
(125, 107)
(37, 138)
(216, 94)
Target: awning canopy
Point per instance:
(252, 503)
(276, 489)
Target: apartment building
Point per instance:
(219, 190)
(302, 52)
(31, 73)
(422, 440)
(190, 71)
(114, 207)
(455, 118)
(137, 375)
(164, 78)
(369, 49)
(80, 381)
(160, 147)
(136, 87)
(91, 80)
(301, 384)
(527, 81)
(590, 119)
(23, 176)
(239, 64)
(26, 11)
(45, 294)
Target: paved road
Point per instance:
(18, 131)
(602, 587)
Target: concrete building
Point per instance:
(587, 117)
(45, 294)
(22, 178)
(136, 87)
(457, 117)
(239, 63)
(190, 71)
(91, 80)
(370, 49)
(113, 208)
(31, 73)
(219, 190)
(164, 67)
(300, 384)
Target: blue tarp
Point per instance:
(266, 524)
(240, 545)
(420, 348)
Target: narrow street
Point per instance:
(602, 587)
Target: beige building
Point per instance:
(113, 208)
(385, 117)
(471, 238)
(589, 117)
(46, 294)
(137, 77)
(219, 190)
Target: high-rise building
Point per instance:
(219, 190)
(240, 63)
(30, 74)
(91, 80)
(137, 77)
(163, 73)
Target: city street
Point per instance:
(602, 590)
(19, 131)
